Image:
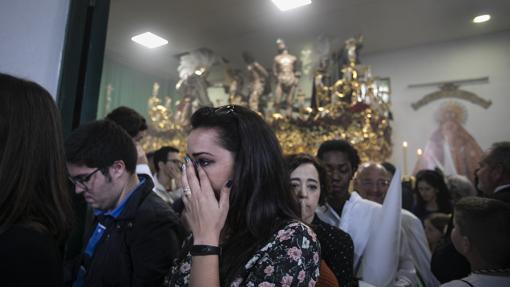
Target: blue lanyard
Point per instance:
(100, 229)
(99, 232)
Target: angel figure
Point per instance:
(192, 87)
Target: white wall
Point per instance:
(482, 56)
(32, 36)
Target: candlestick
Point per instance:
(404, 145)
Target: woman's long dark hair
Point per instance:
(436, 180)
(33, 187)
(260, 198)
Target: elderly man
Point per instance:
(371, 182)
(494, 172)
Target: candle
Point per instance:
(419, 152)
(404, 145)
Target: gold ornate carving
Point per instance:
(451, 90)
(164, 130)
(367, 130)
(354, 108)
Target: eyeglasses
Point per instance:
(228, 109)
(223, 110)
(379, 183)
(81, 180)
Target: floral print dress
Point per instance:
(290, 258)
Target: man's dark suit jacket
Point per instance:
(503, 195)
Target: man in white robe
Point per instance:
(372, 182)
(375, 230)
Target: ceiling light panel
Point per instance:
(149, 40)
(482, 18)
(285, 5)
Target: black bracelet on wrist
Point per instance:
(202, 250)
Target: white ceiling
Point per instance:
(229, 27)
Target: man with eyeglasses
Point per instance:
(372, 181)
(167, 179)
(134, 235)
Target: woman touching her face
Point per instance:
(207, 153)
(238, 203)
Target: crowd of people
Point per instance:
(233, 210)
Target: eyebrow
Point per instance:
(201, 153)
(80, 175)
(308, 179)
(335, 164)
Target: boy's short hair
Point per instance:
(343, 147)
(128, 119)
(486, 223)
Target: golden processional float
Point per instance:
(354, 107)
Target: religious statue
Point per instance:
(195, 86)
(285, 70)
(234, 87)
(257, 76)
(451, 147)
(183, 107)
(193, 71)
(347, 89)
(192, 87)
(350, 51)
(349, 107)
(321, 93)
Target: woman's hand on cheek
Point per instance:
(205, 214)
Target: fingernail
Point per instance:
(187, 159)
(229, 183)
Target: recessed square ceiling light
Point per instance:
(149, 40)
(482, 18)
(285, 5)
